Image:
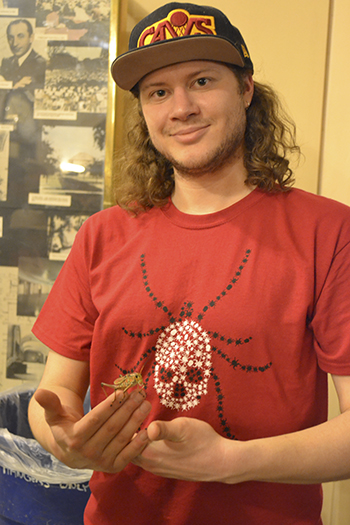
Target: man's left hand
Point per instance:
(186, 449)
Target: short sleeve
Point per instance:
(66, 321)
(331, 321)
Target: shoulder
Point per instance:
(324, 213)
(115, 215)
(7, 61)
(35, 57)
(116, 223)
(317, 201)
(108, 232)
(306, 205)
(112, 215)
(309, 220)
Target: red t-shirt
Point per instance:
(235, 317)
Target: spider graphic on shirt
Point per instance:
(183, 363)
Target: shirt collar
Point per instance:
(23, 57)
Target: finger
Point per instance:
(169, 430)
(105, 446)
(104, 423)
(131, 451)
(100, 414)
(122, 435)
(51, 403)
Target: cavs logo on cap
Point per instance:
(245, 51)
(177, 24)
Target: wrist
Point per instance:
(237, 465)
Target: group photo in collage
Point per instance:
(53, 104)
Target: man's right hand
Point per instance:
(106, 439)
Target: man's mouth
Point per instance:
(189, 134)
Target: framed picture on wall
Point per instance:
(57, 134)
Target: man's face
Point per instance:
(195, 114)
(19, 39)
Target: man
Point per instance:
(223, 287)
(26, 68)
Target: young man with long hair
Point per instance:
(221, 285)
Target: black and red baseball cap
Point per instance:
(179, 32)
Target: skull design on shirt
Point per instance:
(183, 353)
(183, 363)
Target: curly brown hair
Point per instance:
(143, 178)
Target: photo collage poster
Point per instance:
(53, 104)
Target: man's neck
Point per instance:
(210, 192)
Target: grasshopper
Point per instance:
(125, 382)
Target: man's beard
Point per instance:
(225, 153)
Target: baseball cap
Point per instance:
(179, 32)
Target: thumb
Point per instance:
(168, 430)
(51, 403)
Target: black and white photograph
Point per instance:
(22, 66)
(74, 160)
(24, 235)
(76, 82)
(62, 230)
(26, 355)
(86, 20)
(21, 8)
(36, 277)
(22, 71)
(4, 155)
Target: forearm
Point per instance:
(60, 394)
(315, 455)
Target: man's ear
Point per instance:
(249, 89)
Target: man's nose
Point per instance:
(184, 104)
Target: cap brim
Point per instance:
(128, 69)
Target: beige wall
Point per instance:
(335, 183)
(335, 167)
(302, 49)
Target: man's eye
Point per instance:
(160, 93)
(202, 81)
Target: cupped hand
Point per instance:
(106, 439)
(186, 449)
